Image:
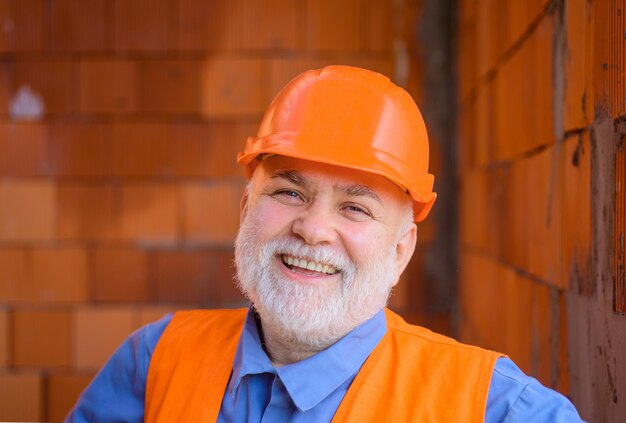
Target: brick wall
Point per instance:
(541, 88)
(119, 194)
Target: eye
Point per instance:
(288, 196)
(354, 211)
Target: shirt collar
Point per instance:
(250, 358)
(311, 380)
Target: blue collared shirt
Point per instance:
(309, 390)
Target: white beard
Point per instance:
(309, 316)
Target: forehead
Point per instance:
(315, 174)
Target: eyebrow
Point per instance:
(291, 175)
(358, 191)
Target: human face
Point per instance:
(354, 231)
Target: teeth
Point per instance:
(309, 265)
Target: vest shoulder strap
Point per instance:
(191, 365)
(416, 375)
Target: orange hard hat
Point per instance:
(349, 117)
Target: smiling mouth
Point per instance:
(296, 263)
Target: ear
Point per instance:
(405, 249)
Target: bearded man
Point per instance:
(338, 178)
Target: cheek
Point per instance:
(363, 246)
(270, 218)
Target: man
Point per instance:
(338, 178)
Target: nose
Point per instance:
(315, 226)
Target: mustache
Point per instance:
(319, 253)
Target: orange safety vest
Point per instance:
(413, 374)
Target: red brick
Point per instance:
(466, 39)
(486, 114)
(437, 322)
(13, 273)
(330, 27)
(517, 323)
(238, 25)
(150, 213)
(142, 149)
(62, 393)
(23, 149)
(414, 80)
(380, 25)
(108, 86)
(405, 20)
(88, 212)
(4, 88)
(204, 220)
(21, 396)
(514, 89)
(205, 24)
(415, 282)
(519, 17)
(467, 129)
(209, 149)
(152, 313)
(5, 340)
(505, 216)
(78, 25)
(518, 229)
(482, 304)
(50, 79)
(143, 25)
(171, 86)
(545, 175)
(542, 334)
(264, 25)
(578, 107)
(543, 84)
(411, 293)
(80, 149)
(399, 299)
(41, 338)
(27, 211)
(222, 264)
(24, 25)
(489, 35)
(531, 67)
(493, 219)
(187, 277)
(121, 274)
(98, 333)
(58, 275)
(233, 87)
(474, 207)
(562, 381)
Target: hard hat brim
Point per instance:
(258, 148)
